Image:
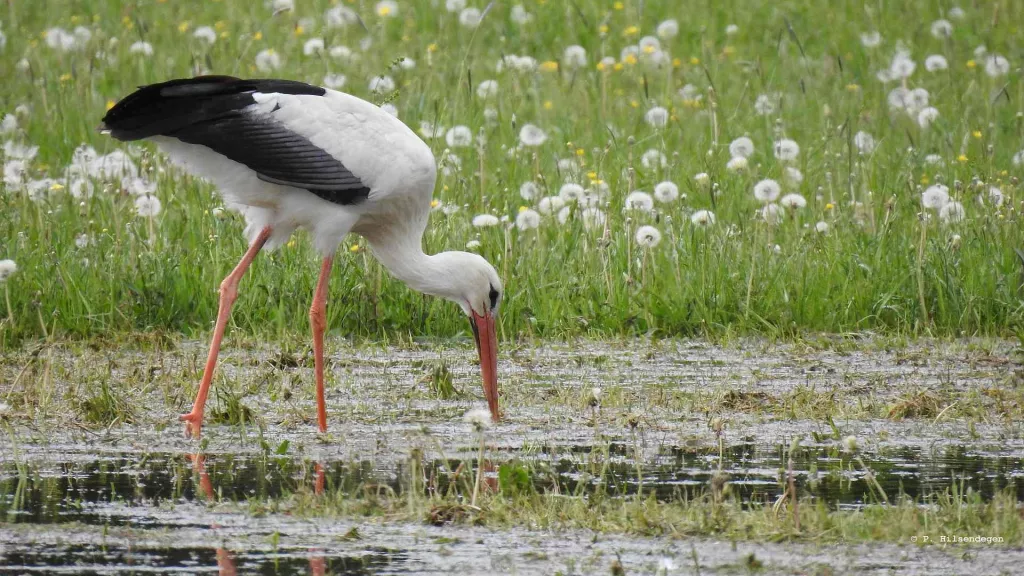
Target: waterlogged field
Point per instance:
(749, 174)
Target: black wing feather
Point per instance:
(210, 111)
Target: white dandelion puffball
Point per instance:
(703, 179)
(793, 201)
(382, 84)
(736, 164)
(767, 191)
(16, 151)
(528, 219)
(942, 29)
(666, 192)
(313, 47)
(957, 13)
(864, 142)
(487, 89)
(574, 57)
(268, 60)
(648, 236)
(14, 173)
(639, 200)
(570, 192)
(386, 8)
(702, 218)
(902, 66)
(478, 418)
(282, 5)
(821, 227)
(653, 159)
(764, 105)
(455, 5)
(430, 131)
(731, 29)
(520, 16)
(485, 220)
(532, 136)
(926, 116)
(786, 150)
(7, 269)
(206, 34)
(335, 81)
(550, 205)
(141, 48)
(933, 159)
(691, 93)
(935, 197)
(668, 29)
(147, 206)
(593, 218)
(459, 137)
(952, 213)
(648, 45)
(81, 188)
(870, 39)
(529, 190)
(340, 17)
(899, 99)
(1018, 158)
(470, 17)
(343, 54)
(793, 175)
(995, 196)
(741, 146)
(996, 65)
(935, 62)
(917, 99)
(657, 117)
(138, 186)
(8, 124)
(473, 245)
(771, 213)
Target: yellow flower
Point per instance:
(549, 66)
(74, 19)
(110, 104)
(630, 59)
(65, 77)
(435, 203)
(431, 47)
(648, 49)
(592, 175)
(258, 36)
(299, 30)
(580, 152)
(523, 208)
(353, 248)
(219, 25)
(961, 158)
(600, 66)
(634, 103)
(676, 62)
(694, 60)
(56, 186)
(630, 31)
(183, 27)
(291, 243)
(852, 87)
(619, 6)
(971, 63)
(384, 10)
(829, 206)
(603, 29)
(548, 105)
(976, 133)
(126, 22)
(618, 66)
(924, 179)
(728, 50)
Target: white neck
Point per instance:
(405, 259)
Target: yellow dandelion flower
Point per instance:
(110, 104)
(183, 27)
(549, 66)
(676, 62)
(224, 35)
(74, 19)
(220, 25)
(852, 87)
(694, 60)
(548, 105)
(580, 152)
(353, 248)
(630, 59)
(648, 49)
(384, 10)
(592, 175)
(431, 47)
(729, 50)
(631, 31)
(924, 179)
(56, 186)
(299, 30)
(829, 206)
(618, 66)
(601, 66)
(603, 29)
(976, 134)
(971, 64)
(961, 158)
(523, 208)
(634, 103)
(258, 36)
(435, 203)
(619, 6)
(65, 77)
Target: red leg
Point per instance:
(228, 292)
(318, 321)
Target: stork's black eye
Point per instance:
(494, 294)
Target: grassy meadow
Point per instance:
(590, 102)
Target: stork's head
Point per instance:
(472, 283)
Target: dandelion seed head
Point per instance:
(702, 218)
(666, 192)
(870, 39)
(335, 81)
(529, 190)
(935, 63)
(7, 269)
(648, 236)
(926, 116)
(459, 137)
(639, 200)
(313, 47)
(764, 105)
(147, 206)
(653, 159)
(742, 146)
(821, 227)
(473, 245)
(527, 219)
(268, 60)
(470, 17)
(952, 212)
(767, 190)
(668, 29)
(532, 136)
(550, 205)
(793, 201)
(574, 57)
(593, 218)
(382, 84)
(731, 29)
(942, 29)
(786, 150)
(570, 192)
(206, 34)
(656, 117)
(141, 48)
(520, 16)
(478, 419)
(864, 142)
(771, 214)
(703, 179)
(487, 89)
(935, 197)
(485, 220)
(736, 164)
(996, 65)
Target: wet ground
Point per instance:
(95, 476)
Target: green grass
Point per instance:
(561, 280)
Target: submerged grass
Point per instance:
(89, 266)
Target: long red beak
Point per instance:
(487, 346)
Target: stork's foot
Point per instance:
(193, 424)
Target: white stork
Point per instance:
(289, 155)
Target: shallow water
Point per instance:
(139, 498)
